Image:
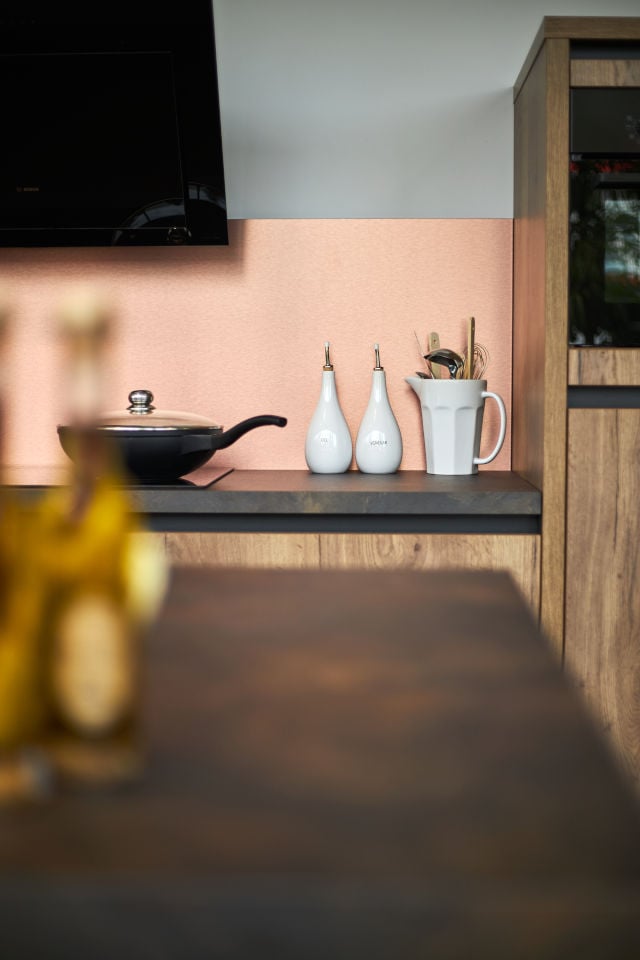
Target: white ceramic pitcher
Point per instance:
(452, 415)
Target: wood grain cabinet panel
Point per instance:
(602, 634)
(540, 295)
(605, 73)
(517, 553)
(260, 550)
(589, 479)
(604, 367)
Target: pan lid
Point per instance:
(141, 413)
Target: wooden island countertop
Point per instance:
(344, 765)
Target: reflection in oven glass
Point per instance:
(604, 252)
(622, 251)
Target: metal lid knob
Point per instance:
(140, 402)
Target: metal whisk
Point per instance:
(480, 361)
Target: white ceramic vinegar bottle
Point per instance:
(379, 442)
(328, 447)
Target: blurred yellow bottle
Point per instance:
(23, 708)
(99, 591)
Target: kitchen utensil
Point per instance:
(434, 344)
(480, 361)
(469, 360)
(420, 353)
(163, 445)
(446, 358)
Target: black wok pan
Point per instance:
(163, 445)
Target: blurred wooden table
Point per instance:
(339, 765)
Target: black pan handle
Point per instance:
(225, 439)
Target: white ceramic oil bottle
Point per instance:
(328, 447)
(379, 442)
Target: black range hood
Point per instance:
(110, 124)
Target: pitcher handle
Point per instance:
(503, 428)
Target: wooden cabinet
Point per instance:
(276, 551)
(604, 368)
(541, 129)
(585, 460)
(516, 553)
(602, 636)
(519, 554)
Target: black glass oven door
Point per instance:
(604, 252)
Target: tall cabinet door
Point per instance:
(602, 628)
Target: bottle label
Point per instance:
(92, 665)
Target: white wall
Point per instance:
(375, 108)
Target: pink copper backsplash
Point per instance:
(229, 332)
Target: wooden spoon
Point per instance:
(434, 344)
(470, 359)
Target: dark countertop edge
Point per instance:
(501, 524)
(306, 498)
(335, 504)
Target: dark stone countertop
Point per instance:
(411, 500)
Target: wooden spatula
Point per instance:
(471, 345)
(434, 344)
